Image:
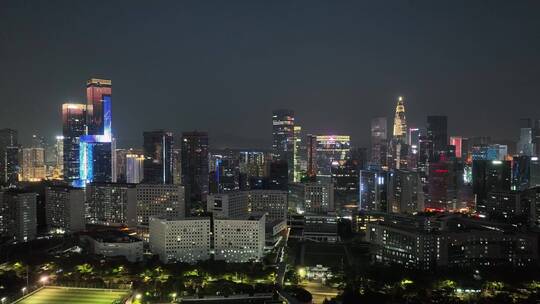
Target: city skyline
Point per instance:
(314, 152)
(343, 76)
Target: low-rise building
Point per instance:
(320, 228)
(239, 240)
(231, 204)
(274, 232)
(273, 203)
(312, 197)
(182, 240)
(159, 200)
(239, 204)
(427, 242)
(114, 243)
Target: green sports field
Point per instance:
(60, 295)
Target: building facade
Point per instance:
(239, 240)
(158, 157)
(9, 157)
(195, 166)
(312, 197)
(33, 164)
(18, 217)
(437, 131)
(283, 138)
(332, 151)
(73, 127)
(65, 209)
(180, 240)
(112, 204)
(96, 147)
(400, 122)
(379, 140)
(159, 200)
(228, 205)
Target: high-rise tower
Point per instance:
(379, 141)
(73, 127)
(400, 122)
(98, 97)
(9, 156)
(283, 138)
(194, 159)
(158, 157)
(437, 130)
(96, 147)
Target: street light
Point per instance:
(44, 279)
(3, 300)
(23, 290)
(302, 272)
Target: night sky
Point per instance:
(223, 66)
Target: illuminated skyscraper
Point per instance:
(283, 138)
(488, 176)
(311, 145)
(98, 96)
(527, 144)
(425, 153)
(9, 156)
(158, 153)
(194, 161)
(73, 127)
(400, 122)
(379, 140)
(398, 148)
(58, 171)
(373, 190)
(332, 151)
(134, 168)
(413, 139)
(252, 163)
(457, 142)
(177, 166)
(96, 148)
(33, 164)
(405, 193)
(297, 159)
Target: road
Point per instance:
(282, 263)
(319, 291)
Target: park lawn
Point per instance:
(60, 295)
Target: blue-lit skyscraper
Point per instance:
(73, 127)
(95, 148)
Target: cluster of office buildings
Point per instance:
(189, 202)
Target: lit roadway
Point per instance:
(319, 291)
(282, 264)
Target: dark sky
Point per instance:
(222, 66)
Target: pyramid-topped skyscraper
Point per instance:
(400, 122)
